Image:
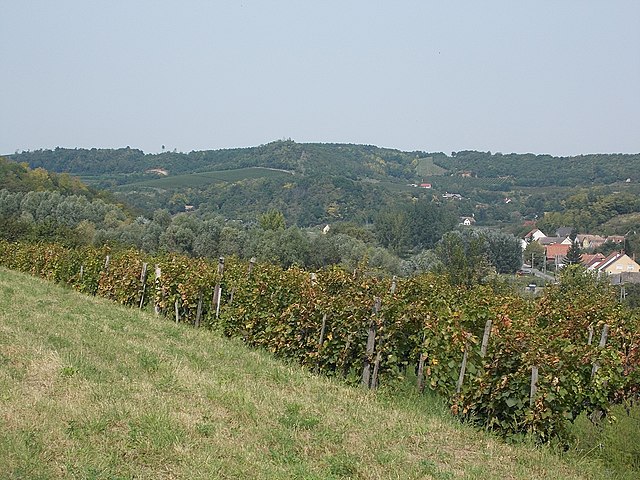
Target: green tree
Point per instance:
(574, 255)
(534, 253)
(464, 257)
(272, 220)
(393, 230)
(505, 251)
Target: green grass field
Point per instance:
(206, 178)
(89, 389)
(426, 168)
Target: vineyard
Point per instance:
(510, 364)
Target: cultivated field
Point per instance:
(89, 389)
(206, 178)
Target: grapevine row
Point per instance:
(343, 324)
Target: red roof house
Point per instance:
(557, 250)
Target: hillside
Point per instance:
(347, 160)
(93, 390)
(313, 183)
(18, 177)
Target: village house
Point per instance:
(534, 235)
(590, 242)
(554, 240)
(556, 252)
(616, 263)
(588, 259)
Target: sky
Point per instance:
(557, 77)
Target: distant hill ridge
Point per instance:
(348, 160)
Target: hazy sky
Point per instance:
(560, 77)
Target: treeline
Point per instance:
(507, 363)
(305, 201)
(589, 210)
(18, 177)
(347, 160)
(351, 161)
(75, 221)
(531, 170)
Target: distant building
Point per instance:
(564, 231)
(425, 185)
(158, 171)
(554, 240)
(588, 260)
(615, 239)
(590, 242)
(533, 235)
(455, 196)
(189, 208)
(467, 221)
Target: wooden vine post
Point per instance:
(321, 340)
(143, 280)
(323, 328)
(376, 365)
(603, 342)
(534, 385)
(217, 291)
(597, 414)
(156, 304)
(252, 264)
(463, 367)
(485, 338)
(199, 310)
(371, 341)
(420, 375)
(394, 285)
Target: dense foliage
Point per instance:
(422, 318)
(352, 161)
(321, 183)
(533, 170)
(18, 177)
(38, 206)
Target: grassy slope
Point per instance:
(89, 389)
(427, 168)
(206, 178)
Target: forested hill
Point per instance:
(350, 161)
(530, 170)
(16, 177)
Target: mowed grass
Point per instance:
(206, 178)
(89, 389)
(426, 168)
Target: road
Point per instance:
(545, 276)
